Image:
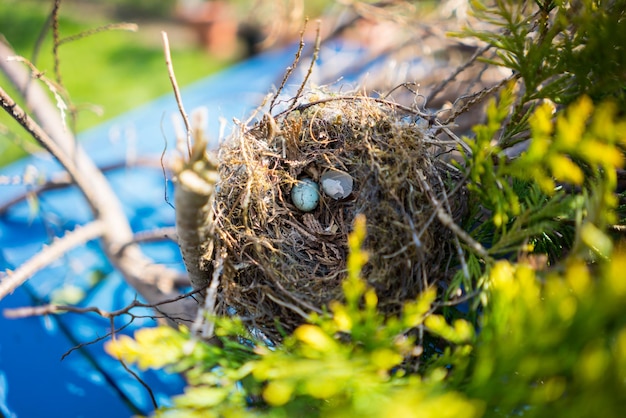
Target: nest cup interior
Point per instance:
(285, 263)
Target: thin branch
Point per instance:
(131, 27)
(55, 88)
(28, 311)
(179, 101)
(203, 319)
(17, 113)
(62, 179)
(304, 106)
(37, 48)
(97, 340)
(476, 98)
(439, 87)
(141, 382)
(461, 299)
(36, 100)
(447, 221)
(155, 235)
(48, 254)
(289, 69)
(131, 372)
(316, 51)
(163, 169)
(56, 38)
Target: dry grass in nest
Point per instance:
(287, 263)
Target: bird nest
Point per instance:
(285, 262)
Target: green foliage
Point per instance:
(486, 166)
(553, 344)
(579, 147)
(550, 344)
(350, 363)
(561, 49)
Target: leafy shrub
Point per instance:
(549, 344)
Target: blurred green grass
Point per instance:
(115, 70)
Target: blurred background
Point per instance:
(113, 71)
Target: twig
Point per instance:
(179, 101)
(44, 140)
(55, 88)
(459, 300)
(316, 51)
(457, 243)
(37, 48)
(476, 98)
(439, 87)
(203, 320)
(406, 109)
(131, 372)
(158, 234)
(48, 254)
(163, 169)
(62, 179)
(55, 38)
(141, 382)
(131, 27)
(103, 337)
(288, 305)
(28, 311)
(36, 100)
(289, 69)
(448, 222)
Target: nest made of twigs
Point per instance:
(286, 263)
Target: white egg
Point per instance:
(305, 195)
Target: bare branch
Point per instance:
(48, 254)
(289, 69)
(55, 88)
(204, 324)
(179, 100)
(155, 283)
(97, 340)
(316, 51)
(131, 372)
(56, 38)
(159, 234)
(37, 100)
(48, 309)
(446, 219)
(62, 179)
(439, 87)
(131, 27)
(193, 198)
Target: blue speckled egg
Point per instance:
(305, 195)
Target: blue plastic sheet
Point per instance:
(34, 381)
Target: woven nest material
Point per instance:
(287, 263)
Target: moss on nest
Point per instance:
(285, 263)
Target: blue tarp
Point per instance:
(34, 380)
